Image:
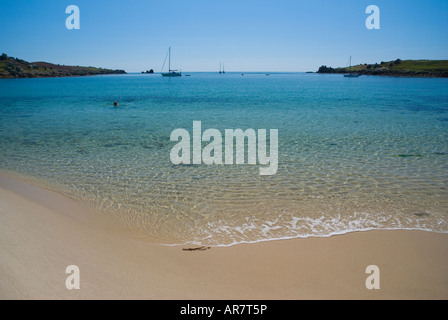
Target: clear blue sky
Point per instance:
(248, 35)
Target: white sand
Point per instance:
(42, 232)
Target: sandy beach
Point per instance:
(42, 232)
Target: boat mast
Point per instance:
(169, 59)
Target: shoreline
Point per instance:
(396, 75)
(42, 232)
(15, 68)
(12, 180)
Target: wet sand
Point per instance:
(42, 232)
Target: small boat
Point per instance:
(170, 73)
(352, 74)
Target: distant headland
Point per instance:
(406, 68)
(17, 68)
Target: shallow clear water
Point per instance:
(354, 154)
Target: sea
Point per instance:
(354, 154)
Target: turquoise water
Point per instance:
(354, 154)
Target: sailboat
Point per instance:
(221, 70)
(351, 75)
(170, 73)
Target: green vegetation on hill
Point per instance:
(17, 68)
(409, 68)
